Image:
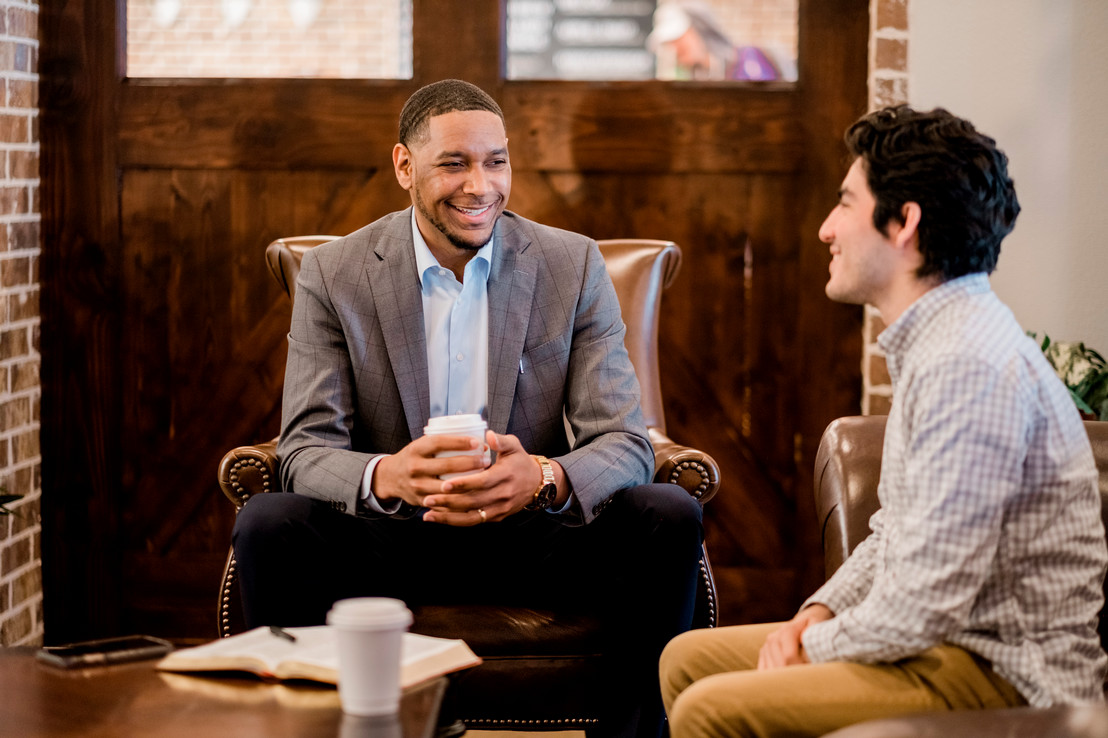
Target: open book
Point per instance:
(314, 655)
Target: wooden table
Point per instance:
(135, 700)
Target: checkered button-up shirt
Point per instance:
(989, 534)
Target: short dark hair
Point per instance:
(437, 98)
(956, 174)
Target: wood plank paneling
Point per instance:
(341, 124)
(260, 124)
(833, 63)
(204, 329)
(163, 338)
(573, 127)
(80, 317)
(726, 340)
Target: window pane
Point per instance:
(353, 39)
(741, 40)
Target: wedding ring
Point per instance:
(481, 512)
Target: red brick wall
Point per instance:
(20, 459)
(888, 85)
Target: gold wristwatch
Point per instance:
(547, 491)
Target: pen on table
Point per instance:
(282, 633)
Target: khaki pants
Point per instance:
(711, 687)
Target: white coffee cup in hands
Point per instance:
(472, 425)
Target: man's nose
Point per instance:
(826, 231)
(477, 183)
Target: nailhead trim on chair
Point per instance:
(684, 466)
(225, 598)
(523, 723)
(241, 498)
(229, 579)
(233, 476)
(711, 593)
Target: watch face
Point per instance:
(544, 498)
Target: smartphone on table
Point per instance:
(104, 651)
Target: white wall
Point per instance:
(1032, 74)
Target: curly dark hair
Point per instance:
(437, 98)
(956, 174)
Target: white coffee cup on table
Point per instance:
(369, 634)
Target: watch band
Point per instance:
(547, 491)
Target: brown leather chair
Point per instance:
(848, 465)
(541, 668)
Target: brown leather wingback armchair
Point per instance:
(848, 465)
(541, 668)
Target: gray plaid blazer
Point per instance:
(356, 382)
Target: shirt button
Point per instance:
(461, 357)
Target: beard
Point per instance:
(457, 238)
(458, 241)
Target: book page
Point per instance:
(258, 651)
(416, 647)
(314, 655)
(423, 657)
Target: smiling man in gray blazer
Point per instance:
(457, 306)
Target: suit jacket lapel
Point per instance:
(394, 285)
(511, 290)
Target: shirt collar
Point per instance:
(895, 339)
(426, 260)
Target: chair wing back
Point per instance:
(1098, 439)
(283, 258)
(848, 467)
(640, 270)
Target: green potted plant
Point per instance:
(1083, 371)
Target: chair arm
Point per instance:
(690, 468)
(248, 470)
(251, 470)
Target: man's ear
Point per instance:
(907, 231)
(402, 165)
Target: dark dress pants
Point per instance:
(636, 565)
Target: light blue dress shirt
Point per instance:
(456, 328)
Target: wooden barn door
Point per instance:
(163, 339)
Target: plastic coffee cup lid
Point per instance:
(370, 613)
(459, 424)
